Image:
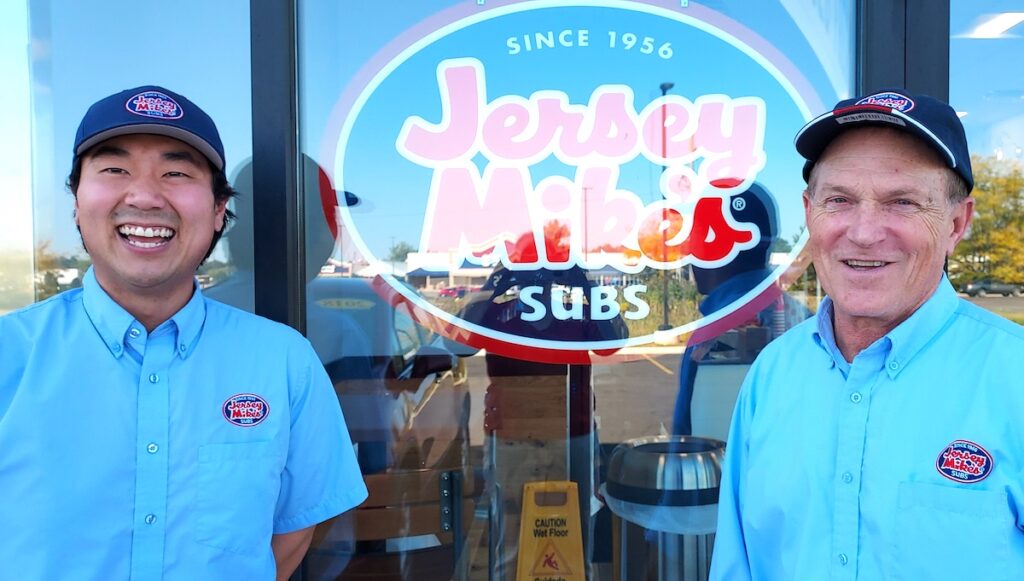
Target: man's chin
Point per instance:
(863, 305)
(143, 281)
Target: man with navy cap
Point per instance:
(147, 432)
(881, 439)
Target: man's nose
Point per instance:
(867, 225)
(144, 193)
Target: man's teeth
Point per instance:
(157, 232)
(865, 263)
(146, 244)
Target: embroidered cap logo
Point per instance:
(154, 104)
(891, 100)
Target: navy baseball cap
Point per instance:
(927, 118)
(152, 110)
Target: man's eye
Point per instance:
(836, 200)
(176, 174)
(113, 170)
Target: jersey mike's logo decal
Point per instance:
(245, 409)
(964, 461)
(575, 195)
(890, 100)
(154, 104)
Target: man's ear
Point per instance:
(220, 208)
(963, 213)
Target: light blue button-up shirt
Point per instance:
(174, 454)
(866, 470)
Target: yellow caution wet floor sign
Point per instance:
(550, 542)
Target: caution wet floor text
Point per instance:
(550, 541)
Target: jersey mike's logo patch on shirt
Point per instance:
(245, 409)
(154, 104)
(964, 461)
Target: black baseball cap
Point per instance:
(152, 110)
(927, 118)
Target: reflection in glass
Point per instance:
(501, 211)
(82, 52)
(16, 237)
(984, 39)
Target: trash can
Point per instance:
(663, 493)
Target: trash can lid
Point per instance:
(678, 520)
(667, 470)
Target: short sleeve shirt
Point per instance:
(175, 454)
(906, 463)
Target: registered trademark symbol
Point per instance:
(739, 204)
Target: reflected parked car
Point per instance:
(405, 395)
(987, 287)
(457, 292)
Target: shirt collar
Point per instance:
(906, 340)
(190, 320)
(921, 327)
(113, 322)
(825, 337)
(109, 319)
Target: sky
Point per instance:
(15, 126)
(987, 79)
(77, 55)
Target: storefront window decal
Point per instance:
(525, 147)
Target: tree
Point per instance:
(994, 246)
(399, 251)
(781, 245)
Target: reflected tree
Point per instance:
(57, 272)
(399, 251)
(994, 246)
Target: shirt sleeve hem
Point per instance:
(325, 510)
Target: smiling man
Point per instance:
(147, 432)
(881, 438)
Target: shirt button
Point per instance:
(152, 448)
(134, 333)
(182, 347)
(842, 559)
(855, 397)
(894, 365)
(153, 378)
(151, 518)
(116, 347)
(847, 477)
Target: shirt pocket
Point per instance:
(944, 532)
(237, 492)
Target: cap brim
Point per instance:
(155, 129)
(812, 140)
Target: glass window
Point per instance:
(594, 209)
(988, 264)
(16, 239)
(406, 332)
(60, 56)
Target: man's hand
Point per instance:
(289, 549)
